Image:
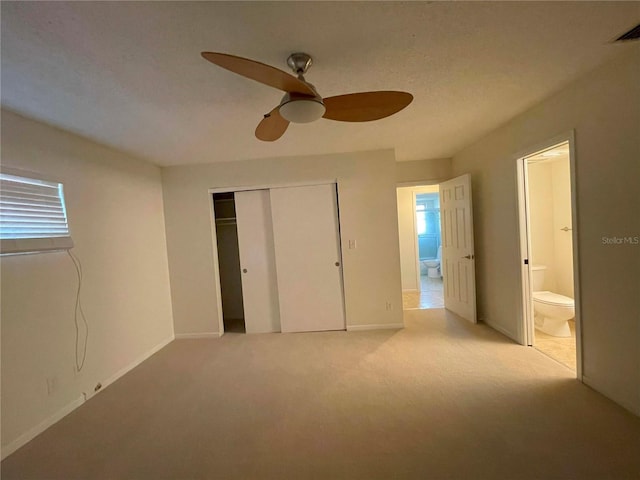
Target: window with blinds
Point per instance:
(33, 217)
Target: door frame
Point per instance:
(416, 243)
(526, 326)
(214, 238)
(417, 186)
(419, 190)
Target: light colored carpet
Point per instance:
(441, 399)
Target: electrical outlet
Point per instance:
(352, 244)
(389, 306)
(89, 394)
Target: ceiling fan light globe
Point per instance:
(302, 110)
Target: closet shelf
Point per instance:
(226, 221)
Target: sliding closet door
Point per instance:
(308, 261)
(257, 262)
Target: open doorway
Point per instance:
(549, 249)
(420, 246)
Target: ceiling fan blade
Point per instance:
(272, 126)
(259, 72)
(365, 106)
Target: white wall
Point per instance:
(603, 108)
(367, 201)
(114, 205)
(407, 234)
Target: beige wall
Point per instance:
(423, 171)
(407, 234)
(549, 211)
(114, 205)
(367, 201)
(562, 241)
(541, 207)
(603, 108)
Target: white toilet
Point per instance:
(432, 267)
(551, 310)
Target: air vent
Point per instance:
(632, 34)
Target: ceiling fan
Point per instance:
(301, 102)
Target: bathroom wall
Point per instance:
(407, 234)
(563, 241)
(541, 221)
(549, 211)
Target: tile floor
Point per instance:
(430, 296)
(560, 349)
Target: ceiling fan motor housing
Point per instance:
(299, 62)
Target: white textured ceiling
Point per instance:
(130, 75)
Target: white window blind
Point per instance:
(33, 217)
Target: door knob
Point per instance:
(337, 264)
(244, 270)
(468, 257)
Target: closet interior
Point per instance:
(229, 262)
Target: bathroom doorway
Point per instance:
(548, 247)
(420, 246)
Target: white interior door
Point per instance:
(257, 261)
(458, 263)
(308, 260)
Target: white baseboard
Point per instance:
(184, 336)
(41, 427)
(70, 407)
(384, 326)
